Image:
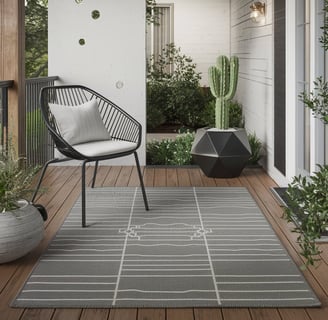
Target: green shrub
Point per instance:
(256, 147)
(172, 66)
(173, 89)
(171, 151)
(181, 103)
(235, 115)
(159, 152)
(185, 104)
(157, 97)
(177, 98)
(207, 116)
(15, 179)
(308, 202)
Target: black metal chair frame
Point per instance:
(120, 125)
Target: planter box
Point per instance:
(221, 153)
(21, 230)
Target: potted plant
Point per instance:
(222, 152)
(308, 209)
(21, 222)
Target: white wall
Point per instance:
(202, 30)
(114, 51)
(253, 44)
(295, 84)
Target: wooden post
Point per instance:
(12, 67)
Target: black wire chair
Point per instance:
(119, 124)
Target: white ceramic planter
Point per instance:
(21, 230)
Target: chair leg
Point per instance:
(141, 182)
(83, 195)
(41, 178)
(94, 175)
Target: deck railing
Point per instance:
(4, 86)
(39, 145)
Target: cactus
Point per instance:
(223, 80)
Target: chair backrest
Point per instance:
(119, 124)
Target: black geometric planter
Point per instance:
(221, 153)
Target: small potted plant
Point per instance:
(21, 222)
(222, 152)
(308, 209)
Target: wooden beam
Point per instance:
(12, 67)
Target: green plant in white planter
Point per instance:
(21, 224)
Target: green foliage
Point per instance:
(207, 116)
(15, 180)
(317, 101)
(155, 117)
(173, 89)
(235, 114)
(152, 13)
(171, 151)
(324, 38)
(256, 147)
(186, 103)
(158, 94)
(180, 103)
(223, 78)
(172, 66)
(36, 39)
(308, 198)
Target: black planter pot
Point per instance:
(221, 153)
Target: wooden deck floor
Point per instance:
(63, 188)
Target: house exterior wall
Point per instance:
(112, 61)
(253, 44)
(202, 30)
(295, 84)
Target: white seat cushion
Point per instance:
(80, 124)
(103, 148)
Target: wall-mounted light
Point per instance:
(257, 11)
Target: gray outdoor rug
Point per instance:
(196, 247)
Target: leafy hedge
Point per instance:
(171, 151)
